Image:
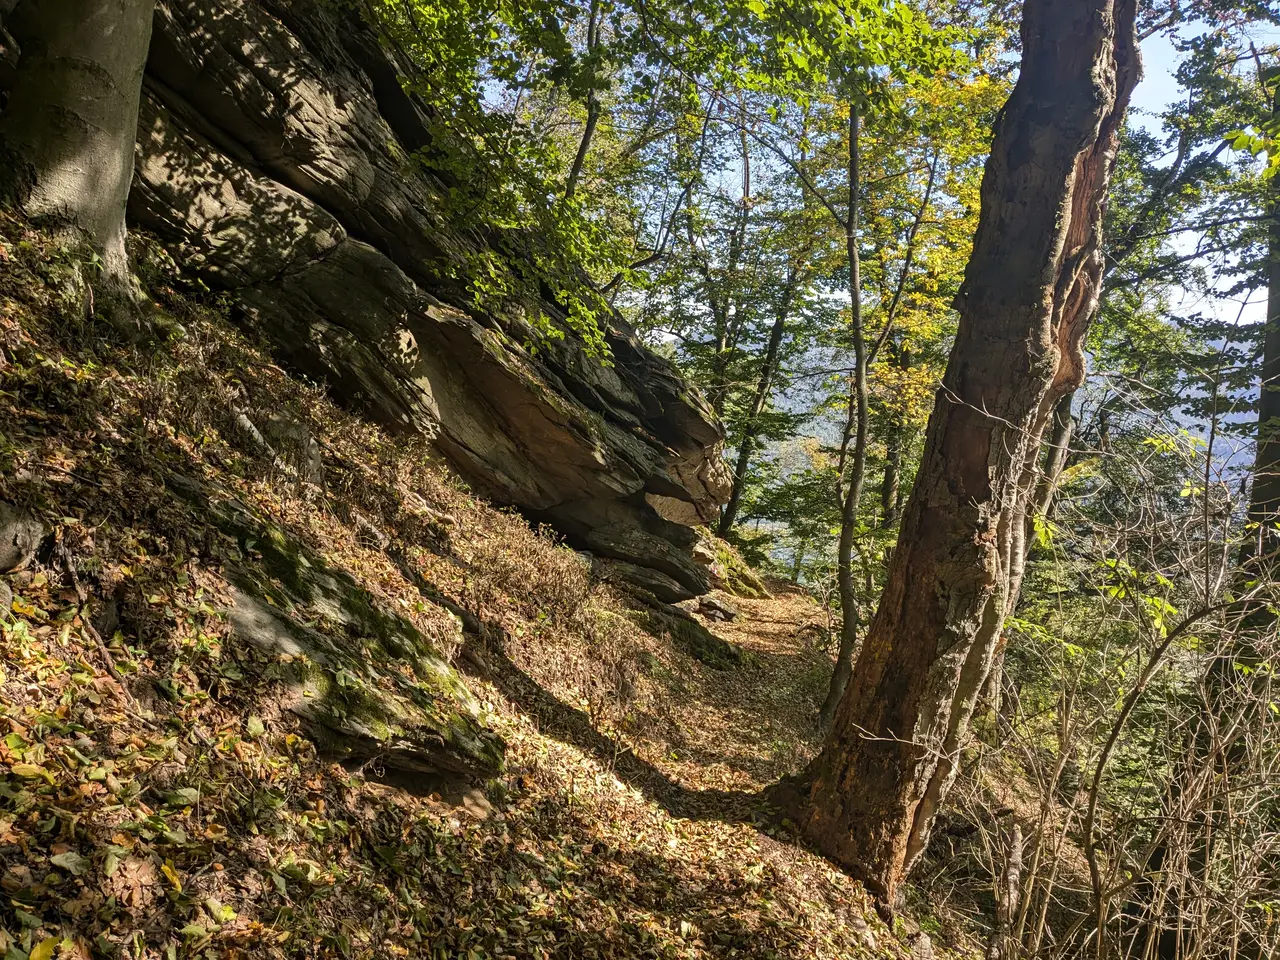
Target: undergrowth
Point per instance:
(157, 801)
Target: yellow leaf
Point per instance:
(167, 869)
(29, 770)
(44, 949)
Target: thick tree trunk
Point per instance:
(869, 799)
(853, 465)
(68, 130)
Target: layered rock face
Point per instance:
(275, 160)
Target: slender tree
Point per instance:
(869, 799)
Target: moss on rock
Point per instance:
(344, 656)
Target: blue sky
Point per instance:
(1159, 86)
(1158, 89)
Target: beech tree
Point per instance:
(869, 798)
(68, 131)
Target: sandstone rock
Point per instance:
(714, 609)
(366, 683)
(20, 536)
(273, 160)
(695, 639)
(704, 554)
(655, 581)
(296, 446)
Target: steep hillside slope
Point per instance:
(275, 160)
(229, 720)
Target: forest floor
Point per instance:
(156, 801)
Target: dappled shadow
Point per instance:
(276, 834)
(573, 726)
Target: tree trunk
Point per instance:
(889, 492)
(1003, 945)
(68, 131)
(584, 145)
(1056, 456)
(1264, 495)
(854, 467)
(797, 561)
(764, 385)
(869, 798)
(897, 442)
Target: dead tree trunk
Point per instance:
(869, 799)
(68, 130)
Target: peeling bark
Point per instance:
(869, 799)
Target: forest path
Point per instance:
(743, 728)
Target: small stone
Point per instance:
(714, 609)
(704, 554)
(863, 931)
(107, 619)
(20, 535)
(922, 947)
(6, 602)
(296, 446)
(475, 803)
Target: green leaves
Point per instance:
(72, 862)
(1259, 142)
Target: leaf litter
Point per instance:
(156, 801)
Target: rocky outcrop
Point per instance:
(368, 686)
(274, 160)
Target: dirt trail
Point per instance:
(743, 728)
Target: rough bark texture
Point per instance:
(274, 161)
(868, 800)
(66, 134)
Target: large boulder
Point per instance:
(274, 159)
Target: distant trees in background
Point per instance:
(783, 198)
(789, 199)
